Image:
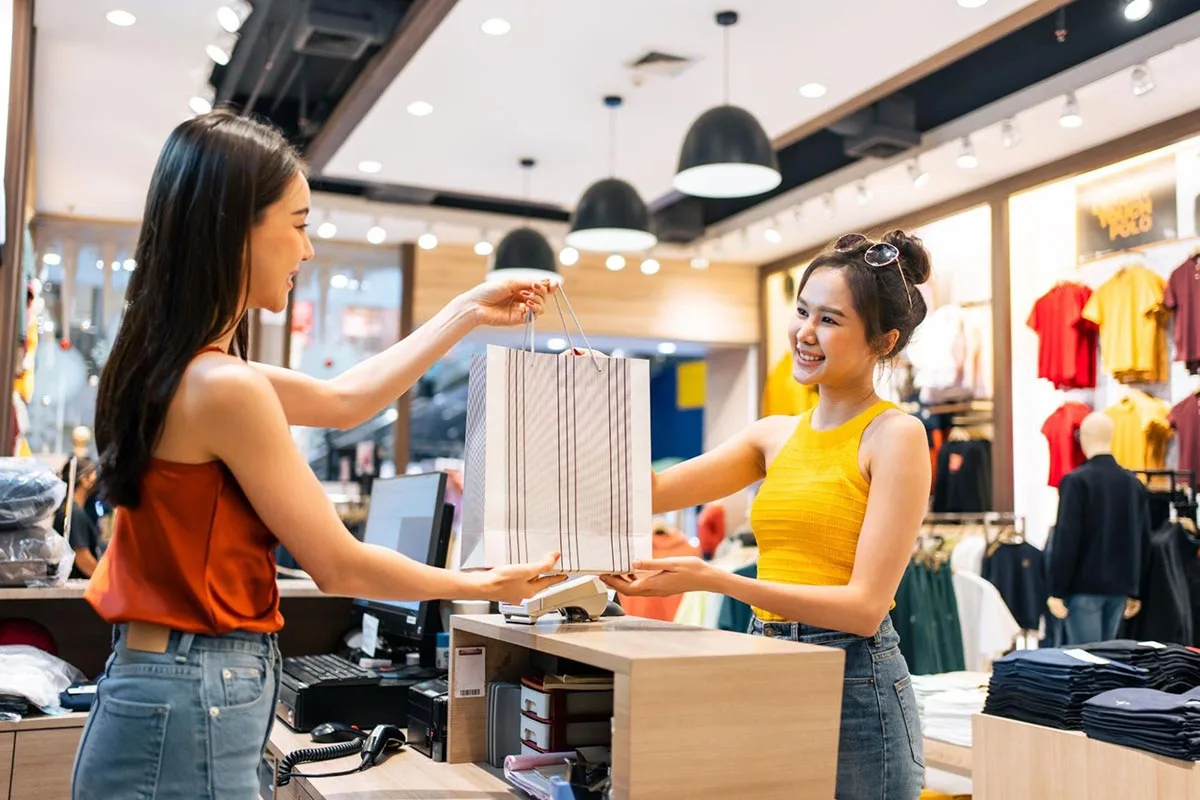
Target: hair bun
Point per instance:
(914, 258)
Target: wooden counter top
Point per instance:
(74, 719)
(618, 643)
(73, 590)
(406, 774)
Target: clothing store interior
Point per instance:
(672, 172)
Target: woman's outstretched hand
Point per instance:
(507, 303)
(664, 577)
(517, 582)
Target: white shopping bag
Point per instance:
(557, 459)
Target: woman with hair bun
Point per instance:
(845, 488)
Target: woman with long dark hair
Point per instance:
(197, 457)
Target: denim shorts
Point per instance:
(881, 751)
(188, 724)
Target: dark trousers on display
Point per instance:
(1093, 617)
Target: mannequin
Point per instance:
(1102, 535)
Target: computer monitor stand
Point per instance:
(581, 599)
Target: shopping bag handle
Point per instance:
(530, 327)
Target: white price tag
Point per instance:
(370, 634)
(468, 671)
(1083, 655)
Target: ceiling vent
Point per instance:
(659, 65)
(884, 130)
(343, 29)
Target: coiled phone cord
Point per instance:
(292, 760)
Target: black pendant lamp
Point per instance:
(611, 217)
(523, 253)
(726, 152)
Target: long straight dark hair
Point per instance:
(216, 175)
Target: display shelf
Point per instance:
(1016, 761)
(73, 590)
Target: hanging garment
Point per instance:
(1184, 418)
(988, 628)
(1166, 614)
(964, 477)
(1141, 431)
(1017, 571)
(1182, 298)
(937, 352)
(1129, 310)
(1066, 339)
(1061, 430)
(925, 616)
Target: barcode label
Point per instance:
(466, 670)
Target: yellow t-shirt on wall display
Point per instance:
(1141, 431)
(1129, 309)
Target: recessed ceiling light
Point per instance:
(376, 235)
(556, 343)
(484, 248)
(650, 266)
(200, 105)
(338, 281)
(972, 3)
(699, 262)
(419, 108)
(615, 262)
(496, 26)
(229, 19)
(568, 256)
(813, 90)
(218, 54)
(427, 240)
(667, 348)
(120, 18)
(129, 265)
(369, 167)
(327, 230)
(52, 259)
(1137, 9)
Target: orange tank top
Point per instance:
(193, 556)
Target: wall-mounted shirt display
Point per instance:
(949, 353)
(1141, 430)
(1066, 339)
(1129, 309)
(1185, 419)
(1182, 296)
(1061, 430)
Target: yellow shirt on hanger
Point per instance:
(1128, 307)
(1140, 431)
(782, 394)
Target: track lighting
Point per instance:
(1070, 117)
(1010, 134)
(918, 176)
(1143, 80)
(863, 194)
(966, 154)
(830, 206)
(772, 234)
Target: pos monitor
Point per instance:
(408, 514)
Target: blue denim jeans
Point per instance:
(188, 724)
(1093, 617)
(881, 751)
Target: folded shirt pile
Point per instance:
(1146, 719)
(1049, 686)
(946, 703)
(1172, 667)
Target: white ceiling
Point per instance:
(538, 90)
(106, 97)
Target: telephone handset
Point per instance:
(383, 738)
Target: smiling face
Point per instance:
(279, 243)
(827, 335)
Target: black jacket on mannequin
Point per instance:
(1102, 535)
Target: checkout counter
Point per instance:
(698, 713)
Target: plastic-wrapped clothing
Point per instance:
(29, 493)
(34, 674)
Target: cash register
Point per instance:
(408, 514)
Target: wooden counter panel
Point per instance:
(42, 762)
(6, 758)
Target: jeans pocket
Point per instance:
(912, 720)
(239, 680)
(121, 756)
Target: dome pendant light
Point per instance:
(611, 216)
(523, 253)
(726, 152)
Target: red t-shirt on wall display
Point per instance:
(1061, 430)
(1066, 340)
(1185, 419)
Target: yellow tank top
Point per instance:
(810, 508)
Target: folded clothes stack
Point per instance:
(947, 702)
(1172, 667)
(1049, 687)
(1146, 719)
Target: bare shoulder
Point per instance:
(894, 431)
(219, 388)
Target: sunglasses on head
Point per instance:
(877, 254)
